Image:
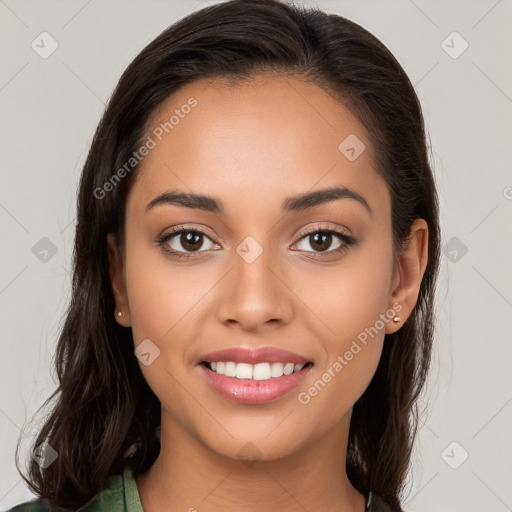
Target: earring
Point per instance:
(396, 319)
(119, 313)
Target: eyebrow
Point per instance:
(295, 203)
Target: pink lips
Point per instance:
(253, 391)
(253, 356)
(250, 391)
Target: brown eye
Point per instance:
(322, 241)
(185, 241)
(191, 241)
(325, 241)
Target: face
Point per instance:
(258, 266)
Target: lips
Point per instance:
(253, 391)
(254, 356)
(261, 388)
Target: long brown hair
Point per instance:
(104, 417)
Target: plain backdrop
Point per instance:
(50, 108)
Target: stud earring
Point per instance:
(396, 319)
(119, 313)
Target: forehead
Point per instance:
(256, 139)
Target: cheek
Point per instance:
(164, 306)
(351, 356)
(163, 298)
(337, 387)
(349, 299)
(353, 305)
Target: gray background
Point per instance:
(50, 108)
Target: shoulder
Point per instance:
(111, 497)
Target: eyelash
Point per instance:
(344, 237)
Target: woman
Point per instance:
(256, 254)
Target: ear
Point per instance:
(117, 281)
(408, 274)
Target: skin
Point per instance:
(251, 146)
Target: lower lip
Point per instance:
(254, 391)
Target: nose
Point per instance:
(254, 295)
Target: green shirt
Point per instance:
(120, 494)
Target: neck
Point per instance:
(188, 475)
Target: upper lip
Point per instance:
(253, 356)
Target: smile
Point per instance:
(259, 371)
(254, 383)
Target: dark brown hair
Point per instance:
(104, 416)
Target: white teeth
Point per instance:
(288, 368)
(243, 371)
(230, 369)
(276, 369)
(259, 371)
